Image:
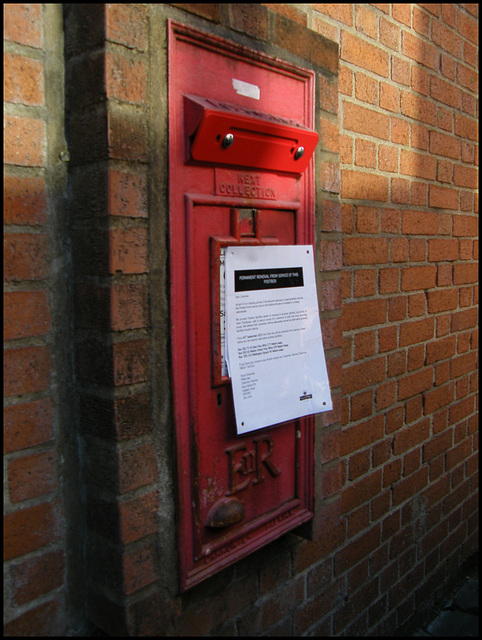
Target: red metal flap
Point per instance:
(222, 133)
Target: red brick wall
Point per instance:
(34, 537)
(397, 229)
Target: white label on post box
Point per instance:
(273, 337)
(246, 89)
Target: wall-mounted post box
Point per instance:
(241, 145)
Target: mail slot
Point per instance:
(223, 133)
(241, 145)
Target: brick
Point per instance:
(418, 165)
(465, 127)
(365, 283)
(468, 78)
(138, 517)
(24, 141)
(444, 145)
(330, 291)
(331, 220)
(46, 619)
(364, 375)
(400, 71)
(466, 176)
(419, 222)
(418, 331)
(304, 43)
(22, 80)
(447, 67)
(438, 398)
(466, 273)
(30, 529)
(365, 250)
(340, 12)
(365, 345)
(356, 185)
(468, 27)
(364, 314)
(389, 280)
(420, 50)
(411, 436)
(253, 20)
(462, 320)
(421, 22)
(366, 21)
(400, 190)
(363, 120)
(438, 444)
(400, 131)
(414, 384)
(137, 468)
(128, 306)
(364, 54)
(139, 568)
(331, 255)
(330, 137)
(463, 364)
(442, 300)
(361, 406)
(126, 24)
(26, 313)
(418, 108)
(330, 176)
(366, 88)
(409, 487)
(389, 34)
(37, 576)
(461, 410)
(125, 79)
(465, 226)
(32, 476)
(23, 24)
(121, 419)
(387, 158)
(128, 250)
(130, 361)
(331, 481)
(443, 197)
(26, 256)
(445, 92)
(127, 136)
(402, 13)
(389, 97)
(419, 136)
(385, 395)
(328, 95)
(365, 154)
(355, 551)
(24, 200)
(26, 370)
(27, 425)
(416, 278)
(442, 249)
(397, 308)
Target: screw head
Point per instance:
(228, 140)
(299, 152)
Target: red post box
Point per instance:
(241, 173)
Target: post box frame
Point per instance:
(198, 562)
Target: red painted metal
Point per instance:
(260, 141)
(236, 493)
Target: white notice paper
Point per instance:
(274, 348)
